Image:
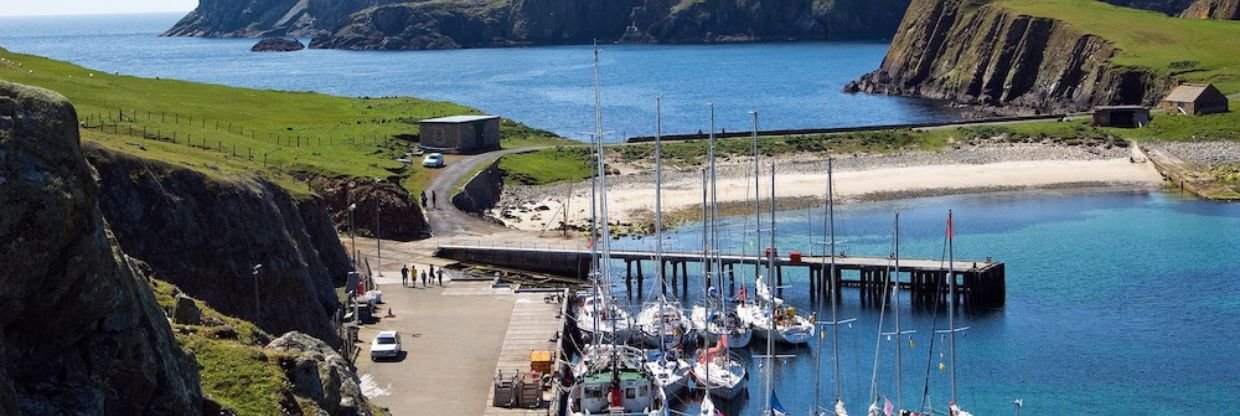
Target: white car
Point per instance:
(433, 160)
(385, 345)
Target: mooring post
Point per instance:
(663, 281)
(684, 278)
(641, 280)
(779, 276)
(731, 277)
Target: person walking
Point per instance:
(404, 276)
(432, 266)
(424, 279)
(439, 274)
(423, 199)
(434, 204)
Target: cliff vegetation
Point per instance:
(1026, 56)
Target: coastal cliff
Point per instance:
(205, 234)
(1213, 9)
(985, 54)
(398, 25)
(82, 332)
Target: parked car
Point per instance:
(385, 345)
(433, 160)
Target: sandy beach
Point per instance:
(974, 169)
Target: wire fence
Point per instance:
(138, 124)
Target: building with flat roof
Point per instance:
(459, 134)
(1194, 99)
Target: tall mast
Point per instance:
(658, 213)
(895, 292)
(717, 264)
(757, 203)
(770, 336)
(706, 280)
(835, 327)
(951, 312)
(594, 140)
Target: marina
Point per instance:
(981, 284)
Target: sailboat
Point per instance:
(839, 409)
(773, 406)
(722, 374)
(611, 378)
(953, 408)
(766, 315)
(899, 333)
(663, 325)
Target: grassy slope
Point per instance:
(239, 373)
(1152, 40)
(339, 136)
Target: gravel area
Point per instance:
(1205, 153)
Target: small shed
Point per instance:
(1129, 116)
(1194, 99)
(459, 134)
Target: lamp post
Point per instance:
(352, 240)
(378, 241)
(254, 272)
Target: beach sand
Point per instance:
(857, 177)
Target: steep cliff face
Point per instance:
(259, 18)
(81, 332)
(987, 55)
(1213, 9)
(388, 25)
(206, 234)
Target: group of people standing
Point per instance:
(434, 197)
(406, 274)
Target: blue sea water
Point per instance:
(794, 85)
(1117, 302)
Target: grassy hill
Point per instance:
(1189, 49)
(224, 130)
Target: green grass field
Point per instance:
(225, 130)
(1192, 50)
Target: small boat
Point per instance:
(662, 324)
(786, 326)
(670, 371)
(713, 325)
(720, 373)
(611, 380)
(602, 320)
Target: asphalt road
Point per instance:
(445, 219)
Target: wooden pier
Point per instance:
(979, 284)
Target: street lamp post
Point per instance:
(378, 240)
(257, 314)
(352, 240)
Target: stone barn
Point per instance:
(1194, 99)
(459, 134)
(1130, 116)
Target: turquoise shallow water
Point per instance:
(795, 85)
(1117, 303)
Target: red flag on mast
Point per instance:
(949, 224)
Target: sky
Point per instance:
(54, 7)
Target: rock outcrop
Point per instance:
(205, 234)
(985, 54)
(384, 205)
(390, 25)
(81, 332)
(1213, 9)
(320, 374)
(278, 45)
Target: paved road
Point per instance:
(446, 220)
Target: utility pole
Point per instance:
(378, 240)
(257, 311)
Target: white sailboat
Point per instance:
(898, 334)
(766, 315)
(722, 374)
(611, 378)
(663, 325)
(773, 406)
(953, 408)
